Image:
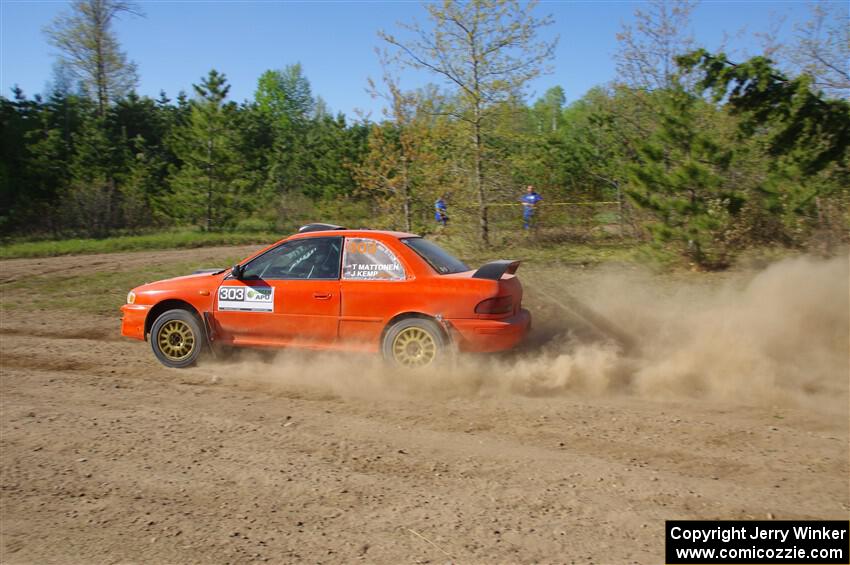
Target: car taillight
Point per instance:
(497, 305)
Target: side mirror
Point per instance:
(237, 271)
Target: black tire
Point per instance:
(177, 338)
(415, 343)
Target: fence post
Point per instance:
(620, 209)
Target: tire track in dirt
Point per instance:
(89, 334)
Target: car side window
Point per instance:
(312, 258)
(370, 260)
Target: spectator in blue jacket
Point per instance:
(441, 211)
(529, 202)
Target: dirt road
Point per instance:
(108, 457)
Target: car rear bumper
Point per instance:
(483, 336)
(133, 321)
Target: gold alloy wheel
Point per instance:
(414, 347)
(176, 340)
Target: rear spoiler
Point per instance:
(495, 269)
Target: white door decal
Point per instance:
(246, 298)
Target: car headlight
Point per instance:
(131, 297)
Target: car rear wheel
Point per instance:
(415, 343)
(177, 338)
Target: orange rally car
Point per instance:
(331, 288)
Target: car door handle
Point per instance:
(322, 295)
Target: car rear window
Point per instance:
(441, 260)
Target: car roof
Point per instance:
(351, 233)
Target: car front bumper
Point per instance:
(133, 321)
(485, 336)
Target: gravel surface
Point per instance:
(108, 457)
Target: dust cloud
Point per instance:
(774, 337)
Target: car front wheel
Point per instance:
(177, 338)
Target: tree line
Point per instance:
(707, 155)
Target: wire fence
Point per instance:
(580, 221)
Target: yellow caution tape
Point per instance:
(552, 203)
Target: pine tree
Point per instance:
(50, 147)
(142, 125)
(547, 110)
(18, 118)
(208, 185)
(285, 96)
(681, 179)
(92, 203)
(284, 102)
(805, 134)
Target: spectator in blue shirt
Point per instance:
(441, 211)
(529, 202)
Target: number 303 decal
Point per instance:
(246, 299)
(231, 293)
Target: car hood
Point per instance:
(197, 280)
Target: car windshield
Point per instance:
(441, 260)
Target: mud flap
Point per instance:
(208, 332)
(451, 342)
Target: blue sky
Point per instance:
(179, 41)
